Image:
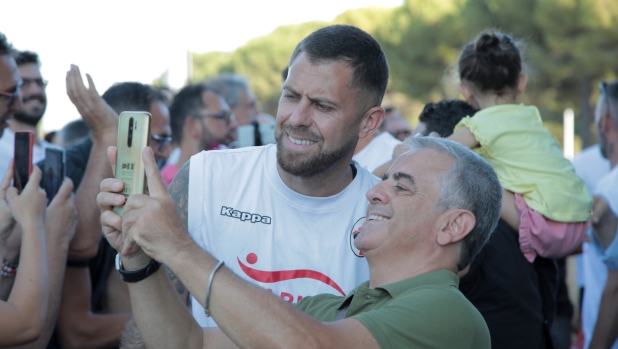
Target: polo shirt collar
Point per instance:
(440, 277)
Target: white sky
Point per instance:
(137, 40)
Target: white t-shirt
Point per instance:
(7, 149)
(377, 152)
(241, 211)
(591, 167)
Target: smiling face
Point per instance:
(402, 215)
(317, 120)
(33, 94)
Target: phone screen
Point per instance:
(54, 171)
(23, 159)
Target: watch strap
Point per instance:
(140, 274)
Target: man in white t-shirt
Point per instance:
(283, 216)
(34, 101)
(374, 150)
(604, 243)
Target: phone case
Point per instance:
(22, 166)
(133, 137)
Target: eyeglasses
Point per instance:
(39, 82)
(12, 95)
(161, 140)
(223, 115)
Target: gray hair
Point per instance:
(228, 86)
(471, 184)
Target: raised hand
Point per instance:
(98, 115)
(152, 221)
(61, 215)
(28, 208)
(109, 197)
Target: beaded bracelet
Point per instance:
(8, 268)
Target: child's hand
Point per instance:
(28, 208)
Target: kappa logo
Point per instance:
(244, 216)
(283, 275)
(358, 226)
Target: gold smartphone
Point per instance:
(133, 137)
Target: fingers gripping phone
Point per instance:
(133, 137)
(24, 141)
(54, 170)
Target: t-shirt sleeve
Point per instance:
(480, 134)
(607, 188)
(421, 318)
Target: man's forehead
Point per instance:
(9, 75)
(214, 102)
(29, 70)
(421, 162)
(305, 76)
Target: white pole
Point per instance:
(568, 134)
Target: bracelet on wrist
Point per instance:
(208, 287)
(8, 268)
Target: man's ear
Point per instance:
(521, 84)
(372, 120)
(457, 225)
(191, 128)
(466, 91)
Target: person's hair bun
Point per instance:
(492, 62)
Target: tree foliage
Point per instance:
(569, 45)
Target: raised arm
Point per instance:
(103, 123)
(248, 316)
(60, 220)
(23, 315)
(179, 191)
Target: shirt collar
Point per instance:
(440, 277)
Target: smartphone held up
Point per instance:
(133, 137)
(54, 171)
(22, 165)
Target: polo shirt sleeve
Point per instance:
(428, 317)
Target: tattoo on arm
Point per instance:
(131, 338)
(179, 190)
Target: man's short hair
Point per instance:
(129, 96)
(229, 86)
(187, 103)
(471, 184)
(5, 47)
(442, 117)
(27, 57)
(73, 132)
(610, 96)
(359, 50)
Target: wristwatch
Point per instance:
(136, 275)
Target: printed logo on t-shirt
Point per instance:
(358, 226)
(244, 216)
(268, 277)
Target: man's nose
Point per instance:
(301, 116)
(378, 194)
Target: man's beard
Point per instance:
(312, 164)
(31, 118)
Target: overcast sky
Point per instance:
(136, 40)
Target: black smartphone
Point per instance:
(54, 169)
(22, 165)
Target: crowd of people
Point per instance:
(348, 229)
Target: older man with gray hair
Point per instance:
(428, 218)
(234, 88)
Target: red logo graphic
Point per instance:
(282, 275)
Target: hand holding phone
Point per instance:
(24, 141)
(133, 137)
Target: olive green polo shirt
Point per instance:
(425, 311)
